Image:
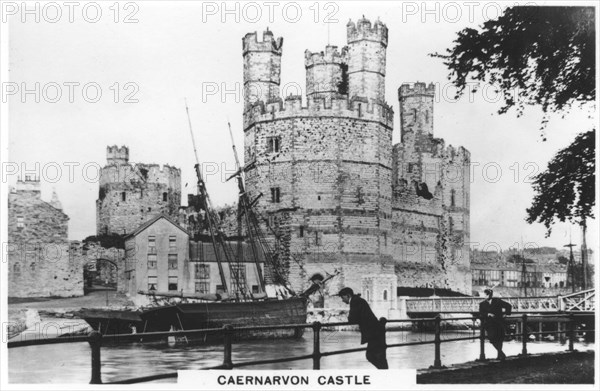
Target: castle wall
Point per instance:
(41, 262)
(339, 194)
(131, 194)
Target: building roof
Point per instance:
(153, 220)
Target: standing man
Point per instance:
(372, 330)
(492, 311)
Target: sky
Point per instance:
(146, 58)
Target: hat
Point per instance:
(488, 291)
(346, 291)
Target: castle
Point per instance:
(42, 261)
(340, 194)
(131, 194)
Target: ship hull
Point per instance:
(194, 316)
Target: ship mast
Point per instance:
(206, 203)
(244, 210)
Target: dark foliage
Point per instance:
(566, 190)
(534, 55)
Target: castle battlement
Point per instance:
(115, 154)
(356, 108)
(363, 30)
(331, 55)
(268, 43)
(407, 90)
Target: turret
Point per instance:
(326, 73)
(55, 202)
(366, 59)
(116, 155)
(30, 183)
(416, 110)
(262, 67)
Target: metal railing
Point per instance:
(583, 301)
(95, 340)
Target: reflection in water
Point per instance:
(70, 363)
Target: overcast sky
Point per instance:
(175, 50)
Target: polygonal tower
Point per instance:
(324, 169)
(366, 59)
(129, 195)
(262, 67)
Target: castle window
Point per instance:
(123, 196)
(202, 271)
(173, 283)
(414, 115)
(32, 266)
(273, 144)
(426, 116)
(317, 238)
(172, 261)
(411, 167)
(151, 261)
(151, 244)
(17, 269)
(275, 194)
(452, 197)
(202, 287)
(152, 283)
(301, 233)
(20, 222)
(385, 295)
(165, 196)
(368, 295)
(173, 243)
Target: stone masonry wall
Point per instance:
(41, 261)
(130, 195)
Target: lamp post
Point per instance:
(571, 266)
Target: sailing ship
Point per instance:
(235, 305)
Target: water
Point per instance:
(70, 363)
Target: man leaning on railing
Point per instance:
(371, 329)
(492, 311)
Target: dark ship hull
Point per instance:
(194, 316)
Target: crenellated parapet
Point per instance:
(268, 43)
(117, 155)
(338, 107)
(331, 55)
(363, 30)
(416, 89)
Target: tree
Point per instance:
(535, 55)
(566, 190)
(540, 56)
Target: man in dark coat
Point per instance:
(492, 311)
(372, 331)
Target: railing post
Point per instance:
(571, 331)
(482, 342)
(316, 345)
(227, 348)
(437, 362)
(95, 341)
(524, 335)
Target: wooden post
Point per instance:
(540, 330)
(482, 342)
(437, 362)
(524, 335)
(316, 345)
(95, 341)
(227, 346)
(571, 331)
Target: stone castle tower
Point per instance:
(131, 194)
(325, 168)
(332, 183)
(431, 187)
